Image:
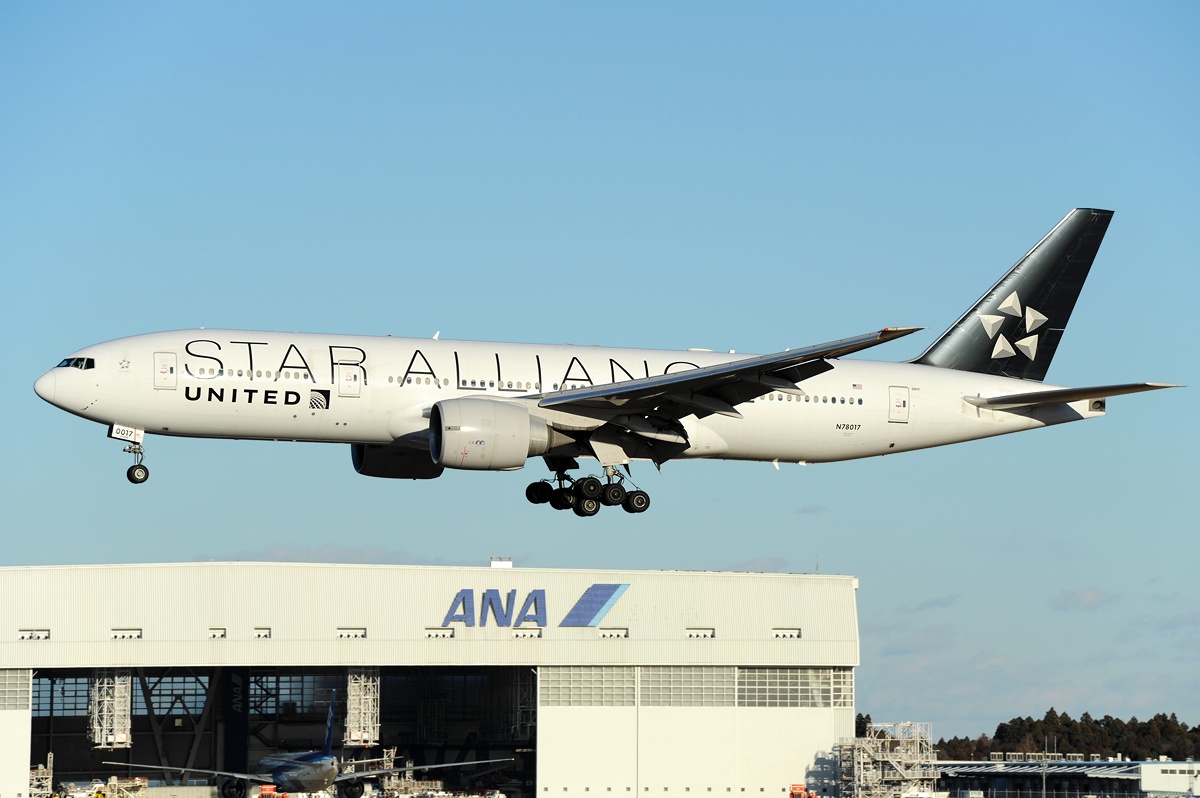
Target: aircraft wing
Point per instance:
(719, 388)
(1062, 395)
(369, 774)
(256, 778)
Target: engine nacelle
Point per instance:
(232, 788)
(484, 434)
(392, 462)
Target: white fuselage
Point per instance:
(358, 389)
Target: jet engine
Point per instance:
(350, 789)
(485, 434)
(392, 462)
(231, 788)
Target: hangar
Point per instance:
(648, 682)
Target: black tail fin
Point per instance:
(327, 748)
(1015, 328)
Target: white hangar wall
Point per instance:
(15, 717)
(649, 681)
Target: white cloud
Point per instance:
(1087, 598)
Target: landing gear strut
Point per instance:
(137, 472)
(586, 495)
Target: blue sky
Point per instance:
(667, 175)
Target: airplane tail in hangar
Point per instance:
(327, 748)
(1015, 328)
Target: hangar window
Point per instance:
(588, 685)
(218, 633)
(351, 632)
(60, 697)
(262, 632)
(33, 634)
(14, 689)
(126, 634)
(292, 695)
(687, 686)
(170, 694)
(795, 687)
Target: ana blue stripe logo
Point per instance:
(593, 605)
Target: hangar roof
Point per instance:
(296, 614)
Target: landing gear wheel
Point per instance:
(636, 501)
(585, 508)
(138, 474)
(612, 495)
(562, 499)
(350, 789)
(588, 488)
(539, 492)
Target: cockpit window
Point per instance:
(77, 363)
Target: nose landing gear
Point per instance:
(137, 473)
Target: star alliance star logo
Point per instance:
(1011, 307)
(123, 365)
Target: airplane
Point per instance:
(307, 772)
(411, 408)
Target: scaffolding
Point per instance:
(893, 760)
(41, 779)
(524, 705)
(362, 707)
(109, 709)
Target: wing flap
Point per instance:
(1062, 395)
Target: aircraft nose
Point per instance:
(44, 387)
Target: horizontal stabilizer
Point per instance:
(1062, 395)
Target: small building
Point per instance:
(1025, 778)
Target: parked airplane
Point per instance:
(410, 408)
(307, 772)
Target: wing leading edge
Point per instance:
(257, 778)
(719, 388)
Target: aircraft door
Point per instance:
(350, 377)
(165, 371)
(898, 404)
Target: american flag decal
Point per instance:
(857, 386)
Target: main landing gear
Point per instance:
(137, 472)
(586, 495)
